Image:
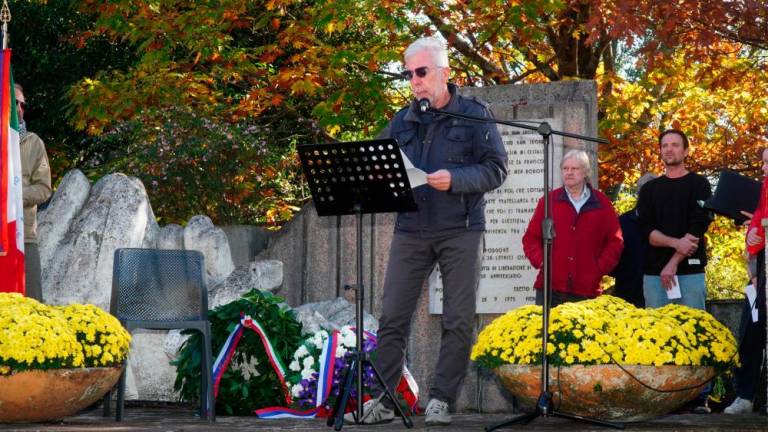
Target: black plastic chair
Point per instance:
(163, 289)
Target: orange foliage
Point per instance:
(697, 64)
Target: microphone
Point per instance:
(424, 105)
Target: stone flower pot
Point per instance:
(41, 395)
(607, 392)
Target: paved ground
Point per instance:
(179, 418)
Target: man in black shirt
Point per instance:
(675, 222)
(671, 214)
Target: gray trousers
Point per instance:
(32, 272)
(411, 259)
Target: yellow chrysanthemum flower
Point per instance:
(37, 336)
(607, 330)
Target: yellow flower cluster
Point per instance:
(104, 340)
(605, 330)
(37, 336)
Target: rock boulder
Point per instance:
(116, 214)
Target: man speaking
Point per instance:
(463, 160)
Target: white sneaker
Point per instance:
(739, 406)
(373, 413)
(437, 413)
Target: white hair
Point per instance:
(434, 46)
(580, 156)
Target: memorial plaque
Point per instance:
(506, 280)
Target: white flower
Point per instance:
(348, 337)
(294, 366)
(296, 390)
(340, 351)
(307, 373)
(308, 362)
(301, 352)
(319, 339)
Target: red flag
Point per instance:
(11, 205)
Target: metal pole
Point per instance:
(359, 293)
(5, 18)
(764, 223)
(547, 230)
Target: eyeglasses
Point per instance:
(420, 72)
(22, 104)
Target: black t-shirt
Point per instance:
(673, 206)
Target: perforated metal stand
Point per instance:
(356, 178)
(359, 358)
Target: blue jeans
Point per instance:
(694, 294)
(692, 287)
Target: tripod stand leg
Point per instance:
(522, 419)
(587, 420)
(337, 416)
(398, 409)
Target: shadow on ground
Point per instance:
(179, 418)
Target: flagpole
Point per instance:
(5, 18)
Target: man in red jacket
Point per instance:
(587, 236)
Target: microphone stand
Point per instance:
(544, 406)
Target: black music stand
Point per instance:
(356, 178)
(733, 194)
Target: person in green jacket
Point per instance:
(36, 178)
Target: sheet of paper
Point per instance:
(416, 177)
(751, 293)
(674, 293)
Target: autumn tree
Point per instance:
(293, 71)
(313, 69)
(695, 63)
(49, 56)
(692, 64)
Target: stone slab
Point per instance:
(245, 242)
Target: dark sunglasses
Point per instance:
(420, 72)
(23, 105)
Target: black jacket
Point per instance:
(629, 272)
(473, 153)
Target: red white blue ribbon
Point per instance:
(272, 354)
(285, 412)
(324, 385)
(225, 356)
(407, 386)
(228, 351)
(327, 366)
(409, 389)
